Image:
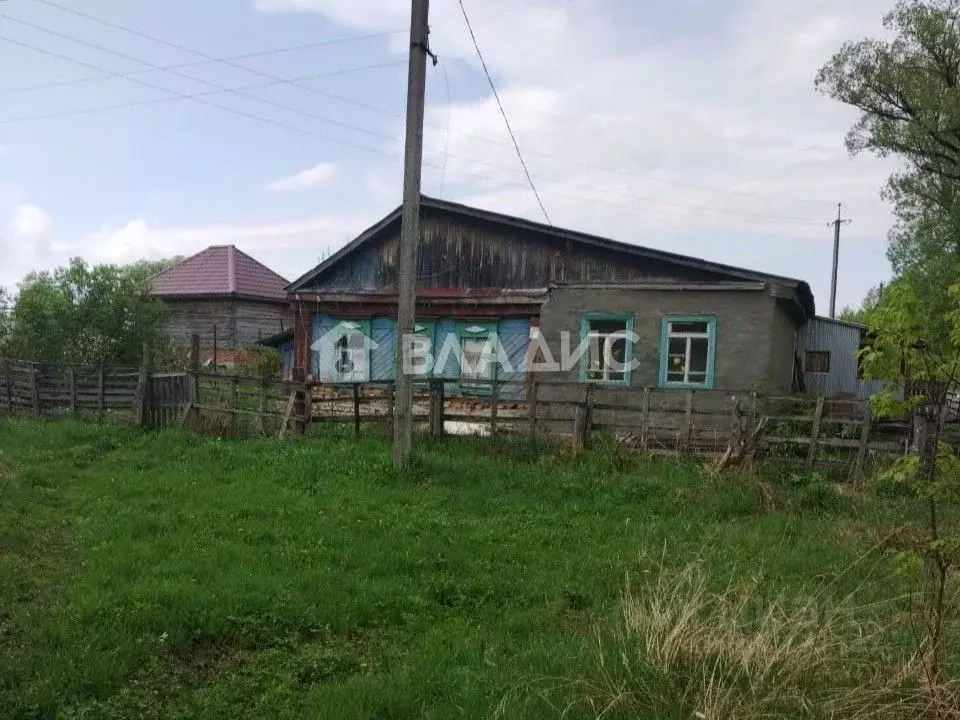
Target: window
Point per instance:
(609, 348)
(817, 361)
(688, 351)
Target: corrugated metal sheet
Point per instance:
(383, 355)
(842, 341)
(514, 335)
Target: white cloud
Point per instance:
(26, 237)
(289, 248)
(308, 179)
(30, 225)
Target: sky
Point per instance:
(276, 125)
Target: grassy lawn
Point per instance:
(174, 575)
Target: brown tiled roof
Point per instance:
(220, 270)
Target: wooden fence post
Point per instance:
(581, 419)
(688, 422)
(234, 397)
(144, 409)
(35, 388)
(532, 406)
(291, 404)
(436, 408)
(815, 431)
(864, 440)
(736, 426)
(389, 392)
(73, 392)
(494, 406)
(193, 377)
(356, 408)
(9, 385)
(645, 421)
(100, 394)
(262, 408)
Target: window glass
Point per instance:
(606, 355)
(688, 348)
(700, 328)
(817, 361)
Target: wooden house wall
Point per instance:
(239, 323)
(466, 253)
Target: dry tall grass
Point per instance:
(684, 650)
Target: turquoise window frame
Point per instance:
(628, 318)
(464, 330)
(711, 321)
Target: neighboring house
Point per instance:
(699, 324)
(227, 298)
(827, 351)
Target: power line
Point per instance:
(176, 98)
(200, 97)
(182, 66)
(503, 113)
(199, 53)
(229, 62)
(126, 56)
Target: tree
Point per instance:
(907, 89)
(902, 351)
(86, 314)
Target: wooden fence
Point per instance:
(808, 431)
(80, 391)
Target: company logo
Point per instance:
(343, 353)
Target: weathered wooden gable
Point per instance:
(465, 252)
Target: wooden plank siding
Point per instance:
(459, 253)
(239, 323)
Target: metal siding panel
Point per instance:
(383, 356)
(514, 334)
(842, 342)
(321, 325)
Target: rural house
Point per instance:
(697, 324)
(227, 298)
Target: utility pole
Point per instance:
(410, 229)
(836, 258)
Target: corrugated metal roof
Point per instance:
(220, 270)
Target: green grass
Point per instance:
(174, 575)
